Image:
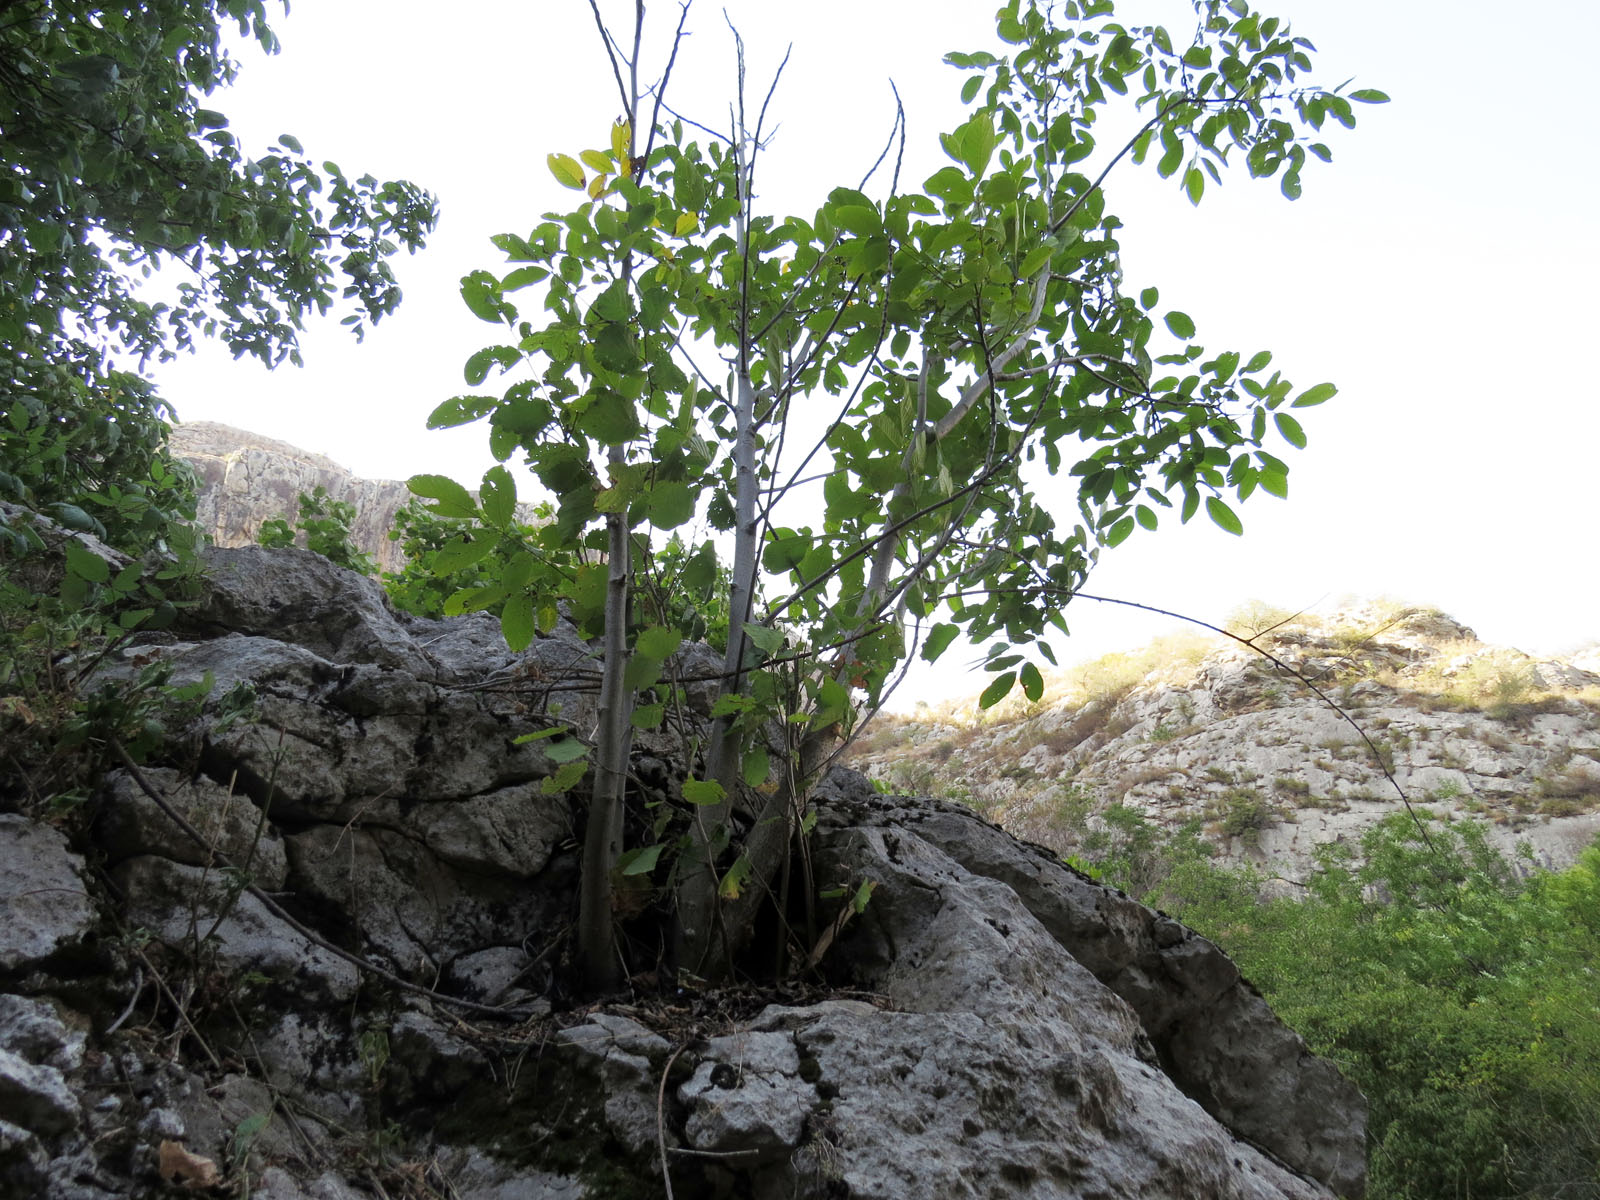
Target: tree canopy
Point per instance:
(132, 221)
(954, 332)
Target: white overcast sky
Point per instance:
(1442, 271)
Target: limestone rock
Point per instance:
(1218, 735)
(179, 903)
(47, 907)
(246, 479)
(131, 824)
(1035, 1035)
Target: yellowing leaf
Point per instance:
(596, 159)
(621, 135)
(686, 224)
(566, 170)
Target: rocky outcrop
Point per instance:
(246, 480)
(358, 977)
(1219, 735)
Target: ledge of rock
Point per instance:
(993, 1025)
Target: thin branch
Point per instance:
(611, 53)
(661, 89)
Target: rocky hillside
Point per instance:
(314, 949)
(247, 479)
(1210, 732)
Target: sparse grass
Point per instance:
(1569, 791)
(1255, 617)
(1244, 813)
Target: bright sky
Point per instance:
(1441, 271)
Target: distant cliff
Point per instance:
(1196, 730)
(247, 479)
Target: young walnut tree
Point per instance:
(663, 339)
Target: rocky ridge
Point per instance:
(345, 976)
(1213, 732)
(246, 479)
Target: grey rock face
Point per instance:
(42, 891)
(967, 919)
(183, 904)
(246, 479)
(1219, 736)
(1035, 1035)
(130, 824)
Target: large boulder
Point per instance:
(380, 862)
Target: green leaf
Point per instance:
(768, 640)
(658, 642)
(459, 552)
(648, 716)
(1181, 325)
(1120, 531)
(1032, 682)
(566, 750)
(858, 902)
(1370, 96)
(1290, 428)
(610, 419)
(84, 563)
(757, 766)
(1145, 515)
(970, 88)
(1224, 516)
(856, 219)
(461, 410)
(566, 170)
(1194, 184)
(449, 497)
(642, 672)
(477, 367)
(733, 882)
(703, 791)
(939, 639)
(539, 735)
(516, 622)
(671, 504)
(640, 861)
(1315, 395)
(481, 291)
(597, 160)
(565, 779)
(998, 690)
(498, 496)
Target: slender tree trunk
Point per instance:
(602, 843)
(699, 928)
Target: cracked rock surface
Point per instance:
(994, 1026)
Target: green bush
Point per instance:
(324, 525)
(1464, 1005)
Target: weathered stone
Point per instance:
(47, 908)
(42, 1033)
(35, 1096)
(747, 1097)
(426, 1062)
(402, 903)
(1044, 1036)
(619, 1051)
(965, 918)
(177, 903)
(297, 596)
(130, 824)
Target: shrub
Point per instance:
(323, 527)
